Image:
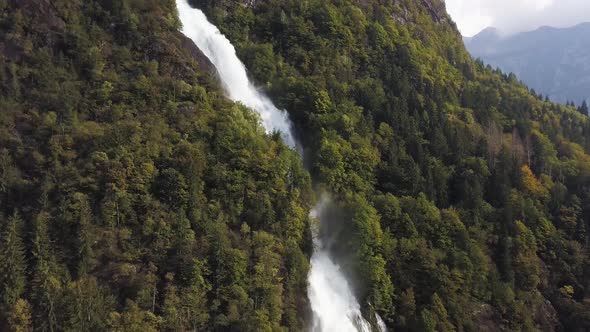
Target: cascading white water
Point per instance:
(333, 303)
(231, 70)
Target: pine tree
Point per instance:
(85, 234)
(87, 305)
(583, 108)
(46, 285)
(12, 266)
(171, 314)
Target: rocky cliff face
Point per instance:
(555, 62)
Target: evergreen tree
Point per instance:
(85, 234)
(46, 283)
(583, 108)
(12, 268)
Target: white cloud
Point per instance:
(512, 16)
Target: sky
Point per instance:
(511, 16)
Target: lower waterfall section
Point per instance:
(333, 303)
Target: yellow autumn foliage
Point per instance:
(531, 184)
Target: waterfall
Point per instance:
(231, 70)
(333, 303)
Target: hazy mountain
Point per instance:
(552, 61)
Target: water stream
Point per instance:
(333, 303)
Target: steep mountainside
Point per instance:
(135, 197)
(555, 62)
(464, 195)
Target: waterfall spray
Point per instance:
(333, 303)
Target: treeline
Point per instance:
(466, 195)
(133, 195)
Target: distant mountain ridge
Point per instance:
(553, 61)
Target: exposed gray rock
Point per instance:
(202, 60)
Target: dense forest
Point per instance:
(135, 197)
(467, 193)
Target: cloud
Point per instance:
(512, 16)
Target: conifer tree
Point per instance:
(583, 108)
(85, 234)
(12, 265)
(46, 283)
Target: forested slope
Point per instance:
(133, 195)
(466, 195)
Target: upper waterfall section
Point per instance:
(232, 71)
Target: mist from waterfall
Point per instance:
(333, 303)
